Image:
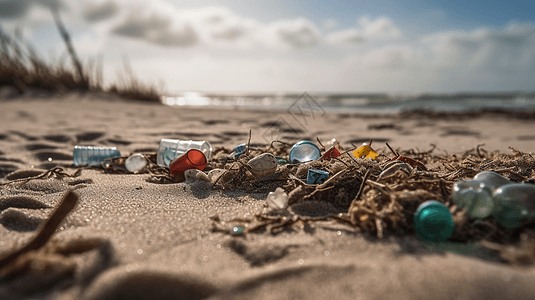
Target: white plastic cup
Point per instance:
(170, 149)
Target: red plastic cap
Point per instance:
(193, 159)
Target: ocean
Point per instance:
(372, 103)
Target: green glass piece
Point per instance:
(237, 230)
(281, 161)
(515, 204)
(433, 222)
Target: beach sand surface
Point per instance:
(128, 238)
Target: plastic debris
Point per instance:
(170, 149)
(237, 230)
(277, 199)
(281, 160)
(317, 176)
(263, 165)
(93, 156)
(515, 204)
(304, 151)
(433, 221)
(476, 195)
(331, 152)
(238, 151)
(192, 159)
(405, 159)
(136, 163)
(366, 151)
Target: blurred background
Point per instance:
(397, 48)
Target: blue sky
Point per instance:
(316, 46)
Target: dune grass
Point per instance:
(21, 67)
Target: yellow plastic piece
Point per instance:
(365, 151)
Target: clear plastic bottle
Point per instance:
(476, 195)
(93, 156)
(170, 149)
(515, 204)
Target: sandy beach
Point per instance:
(129, 238)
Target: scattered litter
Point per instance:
(136, 163)
(93, 156)
(278, 199)
(304, 151)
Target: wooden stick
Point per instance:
(47, 229)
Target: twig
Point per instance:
(47, 229)
(248, 142)
(318, 139)
(361, 188)
(393, 151)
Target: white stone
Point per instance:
(277, 199)
(136, 163)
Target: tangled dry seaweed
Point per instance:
(370, 203)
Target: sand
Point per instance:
(128, 238)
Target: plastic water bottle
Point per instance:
(170, 149)
(476, 195)
(433, 221)
(93, 156)
(304, 151)
(515, 204)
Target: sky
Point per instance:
(404, 46)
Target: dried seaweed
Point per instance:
(383, 205)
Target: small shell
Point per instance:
(263, 164)
(393, 169)
(195, 174)
(214, 174)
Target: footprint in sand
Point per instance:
(6, 169)
(58, 138)
(367, 140)
(23, 135)
(119, 142)
(33, 147)
(15, 219)
(89, 136)
(19, 174)
(52, 155)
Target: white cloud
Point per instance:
(330, 24)
(94, 11)
(511, 48)
(155, 28)
(381, 28)
(298, 33)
